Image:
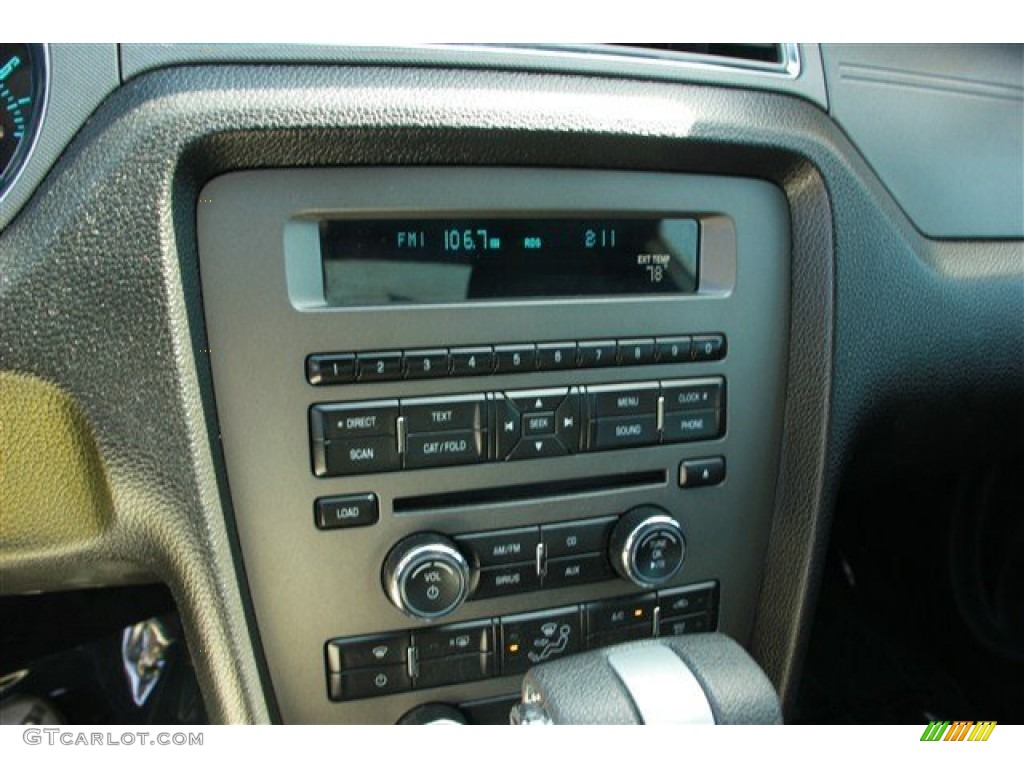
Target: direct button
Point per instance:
(346, 511)
(436, 414)
(500, 547)
(345, 421)
(442, 449)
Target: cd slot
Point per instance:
(532, 492)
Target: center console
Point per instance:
(475, 419)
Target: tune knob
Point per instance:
(426, 576)
(647, 546)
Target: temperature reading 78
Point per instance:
(655, 272)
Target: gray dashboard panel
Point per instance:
(309, 586)
(943, 126)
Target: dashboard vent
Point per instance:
(764, 53)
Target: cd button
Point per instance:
(577, 537)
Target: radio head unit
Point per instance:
(478, 418)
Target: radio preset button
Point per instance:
(673, 350)
(623, 432)
(500, 547)
(440, 449)
(359, 456)
(351, 511)
(379, 366)
(344, 422)
(636, 352)
(515, 358)
(442, 414)
(556, 356)
(426, 364)
(682, 426)
(708, 347)
(472, 361)
(323, 370)
(596, 354)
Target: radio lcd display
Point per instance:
(427, 261)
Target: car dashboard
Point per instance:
(404, 369)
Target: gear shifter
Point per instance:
(701, 679)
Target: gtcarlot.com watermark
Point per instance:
(54, 737)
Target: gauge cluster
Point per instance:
(23, 70)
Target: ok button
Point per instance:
(539, 424)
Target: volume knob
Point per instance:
(426, 576)
(647, 546)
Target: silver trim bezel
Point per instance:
(37, 127)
